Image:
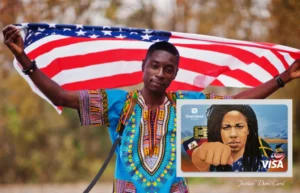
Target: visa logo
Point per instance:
(272, 164)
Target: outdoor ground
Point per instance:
(107, 187)
(196, 185)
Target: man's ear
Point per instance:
(143, 65)
(176, 72)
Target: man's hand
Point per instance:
(57, 95)
(211, 153)
(13, 40)
(294, 70)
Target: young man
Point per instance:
(146, 156)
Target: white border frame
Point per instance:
(287, 102)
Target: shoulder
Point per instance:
(216, 96)
(199, 95)
(189, 95)
(103, 95)
(116, 94)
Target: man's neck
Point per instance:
(153, 99)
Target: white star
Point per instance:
(80, 32)
(120, 36)
(146, 37)
(133, 33)
(67, 29)
(30, 34)
(93, 36)
(37, 33)
(106, 32)
(78, 26)
(106, 27)
(120, 30)
(158, 40)
(53, 33)
(147, 31)
(41, 29)
(52, 25)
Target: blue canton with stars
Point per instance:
(37, 31)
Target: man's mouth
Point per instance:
(234, 143)
(157, 83)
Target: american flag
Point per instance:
(90, 57)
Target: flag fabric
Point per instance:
(91, 57)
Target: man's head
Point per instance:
(160, 66)
(237, 124)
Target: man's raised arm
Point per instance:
(264, 90)
(57, 95)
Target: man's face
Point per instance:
(160, 69)
(234, 131)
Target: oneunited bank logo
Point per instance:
(194, 110)
(194, 115)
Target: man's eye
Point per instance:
(169, 70)
(239, 126)
(154, 66)
(226, 127)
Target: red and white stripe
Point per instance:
(86, 63)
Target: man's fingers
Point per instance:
(200, 164)
(8, 28)
(225, 155)
(9, 33)
(212, 153)
(209, 156)
(218, 151)
(12, 37)
(203, 151)
(4, 30)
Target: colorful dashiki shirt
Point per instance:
(237, 166)
(146, 160)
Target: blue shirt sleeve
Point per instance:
(190, 95)
(101, 107)
(116, 100)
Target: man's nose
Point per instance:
(160, 73)
(232, 133)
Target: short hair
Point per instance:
(215, 115)
(163, 45)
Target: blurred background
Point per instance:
(41, 151)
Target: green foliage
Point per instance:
(42, 146)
